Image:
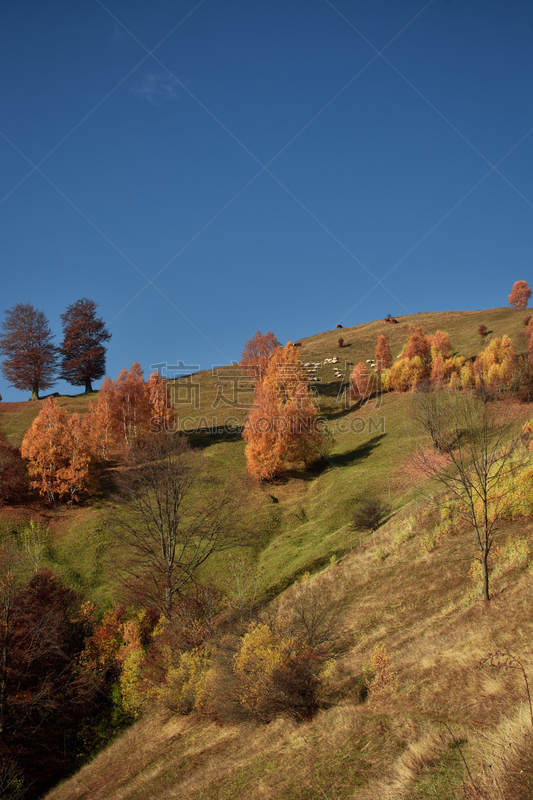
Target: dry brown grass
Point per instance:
(422, 607)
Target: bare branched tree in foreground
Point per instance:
(474, 451)
(172, 516)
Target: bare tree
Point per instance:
(474, 451)
(172, 513)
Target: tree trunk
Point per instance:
(484, 564)
(88, 386)
(3, 676)
(35, 394)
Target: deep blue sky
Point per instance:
(274, 164)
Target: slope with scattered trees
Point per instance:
(367, 639)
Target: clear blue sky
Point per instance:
(205, 169)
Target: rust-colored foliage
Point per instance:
(82, 350)
(130, 406)
(419, 346)
(257, 352)
(30, 356)
(98, 422)
(264, 451)
(59, 457)
(520, 294)
(363, 382)
(281, 429)
(162, 416)
(482, 330)
(440, 345)
(383, 354)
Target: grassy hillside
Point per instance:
(405, 588)
(410, 743)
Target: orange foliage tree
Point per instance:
(99, 422)
(282, 428)
(264, 451)
(520, 295)
(59, 457)
(130, 406)
(383, 354)
(162, 415)
(363, 382)
(127, 409)
(257, 352)
(414, 365)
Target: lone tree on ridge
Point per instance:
(82, 350)
(30, 356)
(520, 295)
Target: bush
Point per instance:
(370, 514)
(277, 673)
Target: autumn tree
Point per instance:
(30, 356)
(282, 428)
(130, 406)
(414, 365)
(479, 459)
(173, 515)
(162, 415)
(59, 458)
(520, 295)
(82, 351)
(363, 382)
(264, 445)
(256, 353)
(383, 354)
(496, 366)
(99, 422)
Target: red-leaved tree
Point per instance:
(82, 350)
(520, 295)
(30, 356)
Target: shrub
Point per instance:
(370, 514)
(277, 673)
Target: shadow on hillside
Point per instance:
(353, 456)
(372, 402)
(214, 436)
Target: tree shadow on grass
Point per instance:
(351, 457)
(210, 436)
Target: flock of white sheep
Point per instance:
(312, 367)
